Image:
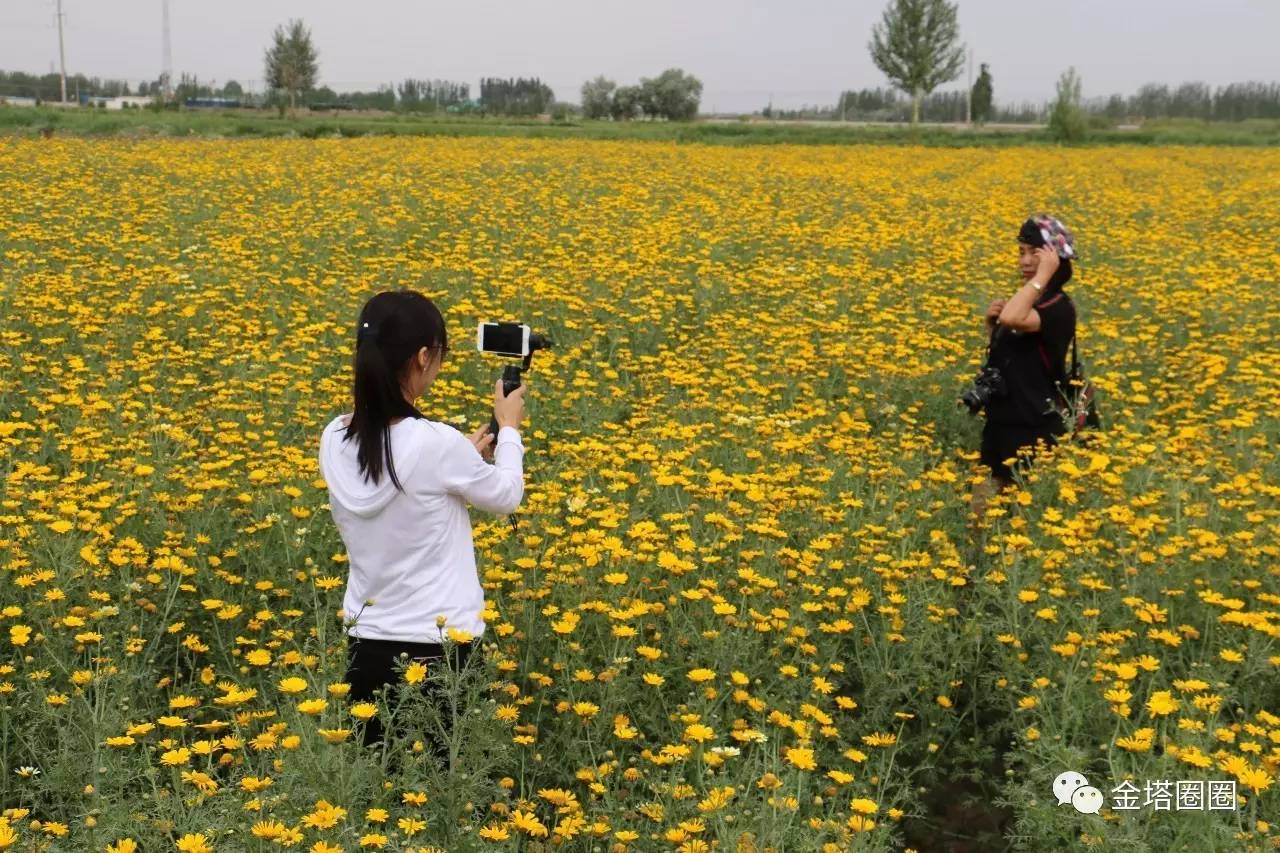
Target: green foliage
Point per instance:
(515, 96)
(291, 64)
(916, 45)
(1067, 122)
(431, 96)
(597, 97)
(626, 103)
(672, 95)
(980, 105)
(164, 119)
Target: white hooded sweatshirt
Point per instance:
(411, 552)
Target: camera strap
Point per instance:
(1044, 353)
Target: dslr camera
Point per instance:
(988, 386)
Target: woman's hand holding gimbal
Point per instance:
(508, 409)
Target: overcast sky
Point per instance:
(744, 51)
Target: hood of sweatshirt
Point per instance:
(356, 491)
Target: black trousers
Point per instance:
(370, 667)
(1003, 441)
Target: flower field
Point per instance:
(742, 609)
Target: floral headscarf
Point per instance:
(1051, 233)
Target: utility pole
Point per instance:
(62, 54)
(968, 93)
(167, 73)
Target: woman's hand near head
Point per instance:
(508, 410)
(1047, 263)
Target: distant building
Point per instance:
(128, 101)
(117, 103)
(215, 103)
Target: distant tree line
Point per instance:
(1234, 102)
(430, 95)
(881, 104)
(673, 95)
(48, 87)
(515, 96)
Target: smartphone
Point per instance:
(510, 339)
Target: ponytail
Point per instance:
(392, 328)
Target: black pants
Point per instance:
(1003, 441)
(370, 666)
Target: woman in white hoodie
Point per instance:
(398, 488)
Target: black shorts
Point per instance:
(1003, 441)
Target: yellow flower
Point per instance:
(269, 830)
(411, 826)
(324, 847)
(698, 733)
(334, 735)
(527, 823)
(415, 672)
(494, 833)
(363, 710)
(858, 823)
(253, 784)
(801, 758)
(176, 757)
(864, 806)
(194, 843)
(1162, 703)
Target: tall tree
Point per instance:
(291, 61)
(916, 45)
(676, 94)
(980, 98)
(597, 97)
(1066, 119)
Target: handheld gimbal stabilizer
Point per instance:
(513, 340)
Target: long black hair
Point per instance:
(1030, 234)
(392, 328)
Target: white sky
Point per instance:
(744, 51)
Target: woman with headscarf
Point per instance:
(1030, 334)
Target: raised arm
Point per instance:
(1019, 312)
